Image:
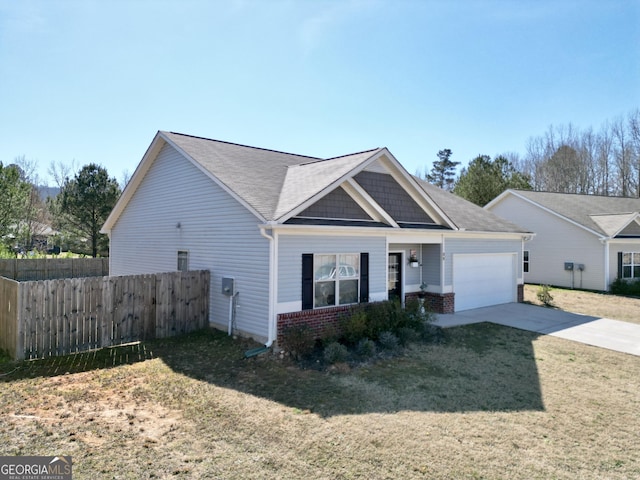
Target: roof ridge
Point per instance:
(576, 194)
(356, 153)
(245, 146)
(319, 160)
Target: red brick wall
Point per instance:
(322, 321)
(437, 302)
(520, 293)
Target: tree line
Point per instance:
(564, 159)
(68, 221)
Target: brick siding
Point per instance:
(437, 302)
(322, 321)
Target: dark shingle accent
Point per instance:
(392, 198)
(337, 204)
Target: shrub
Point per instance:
(335, 353)
(544, 295)
(366, 348)
(388, 341)
(625, 287)
(354, 325)
(407, 335)
(299, 340)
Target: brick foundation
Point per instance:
(437, 302)
(322, 321)
(520, 293)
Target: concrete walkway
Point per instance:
(599, 332)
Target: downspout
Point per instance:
(273, 277)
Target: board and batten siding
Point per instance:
(479, 246)
(556, 241)
(291, 248)
(177, 207)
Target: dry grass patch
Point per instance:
(589, 303)
(489, 402)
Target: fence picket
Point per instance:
(57, 317)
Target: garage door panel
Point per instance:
(483, 280)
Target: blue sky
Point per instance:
(92, 81)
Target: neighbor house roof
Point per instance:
(606, 216)
(467, 215)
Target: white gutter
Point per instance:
(273, 277)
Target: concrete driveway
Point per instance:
(599, 332)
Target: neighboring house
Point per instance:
(293, 239)
(581, 241)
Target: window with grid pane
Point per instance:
(631, 265)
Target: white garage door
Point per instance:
(483, 280)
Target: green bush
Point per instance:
(544, 295)
(366, 348)
(407, 335)
(299, 340)
(388, 341)
(389, 316)
(625, 287)
(354, 326)
(335, 353)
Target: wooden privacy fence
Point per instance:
(58, 317)
(29, 269)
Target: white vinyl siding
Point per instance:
(556, 241)
(431, 264)
(178, 208)
(291, 248)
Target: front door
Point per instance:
(394, 276)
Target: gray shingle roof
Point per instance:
(467, 215)
(605, 215)
(275, 183)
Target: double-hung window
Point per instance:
(334, 279)
(525, 261)
(183, 260)
(631, 265)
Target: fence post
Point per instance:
(19, 355)
(106, 321)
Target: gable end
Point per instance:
(392, 198)
(335, 205)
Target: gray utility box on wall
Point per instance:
(228, 286)
(568, 265)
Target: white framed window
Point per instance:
(183, 260)
(631, 265)
(525, 261)
(336, 279)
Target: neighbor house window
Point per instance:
(525, 262)
(183, 261)
(631, 265)
(334, 279)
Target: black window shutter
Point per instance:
(364, 277)
(307, 281)
(619, 264)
